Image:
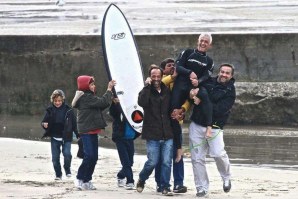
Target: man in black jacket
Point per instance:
(221, 91)
(157, 130)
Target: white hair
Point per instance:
(206, 35)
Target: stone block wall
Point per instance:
(31, 67)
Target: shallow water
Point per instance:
(255, 145)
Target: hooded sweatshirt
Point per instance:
(89, 106)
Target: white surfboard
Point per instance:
(123, 63)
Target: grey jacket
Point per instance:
(90, 107)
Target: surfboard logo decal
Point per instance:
(137, 116)
(118, 36)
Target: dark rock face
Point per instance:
(270, 103)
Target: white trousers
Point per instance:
(200, 147)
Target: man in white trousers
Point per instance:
(221, 92)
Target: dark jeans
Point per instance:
(90, 144)
(126, 150)
(178, 167)
(56, 150)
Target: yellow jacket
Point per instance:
(169, 82)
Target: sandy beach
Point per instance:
(27, 172)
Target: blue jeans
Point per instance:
(126, 150)
(158, 150)
(90, 144)
(56, 150)
(178, 168)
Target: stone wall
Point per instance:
(31, 67)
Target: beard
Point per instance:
(156, 83)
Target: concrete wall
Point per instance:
(31, 67)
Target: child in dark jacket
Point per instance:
(59, 123)
(123, 136)
(90, 123)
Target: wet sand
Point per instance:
(77, 17)
(26, 172)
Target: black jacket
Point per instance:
(119, 121)
(222, 98)
(157, 120)
(69, 123)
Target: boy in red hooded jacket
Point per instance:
(90, 121)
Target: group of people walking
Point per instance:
(170, 90)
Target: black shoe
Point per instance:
(140, 186)
(180, 189)
(167, 192)
(227, 186)
(202, 193)
(158, 189)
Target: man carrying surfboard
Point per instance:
(157, 129)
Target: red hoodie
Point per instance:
(83, 82)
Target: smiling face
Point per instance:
(204, 43)
(225, 74)
(155, 76)
(57, 101)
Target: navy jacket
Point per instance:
(68, 122)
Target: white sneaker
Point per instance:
(121, 182)
(68, 175)
(88, 186)
(58, 178)
(78, 184)
(129, 186)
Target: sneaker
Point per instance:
(129, 186)
(167, 192)
(68, 175)
(202, 193)
(88, 186)
(140, 186)
(58, 178)
(158, 189)
(180, 189)
(121, 182)
(78, 184)
(227, 186)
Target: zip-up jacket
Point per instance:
(90, 107)
(157, 121)
(61, 129)
(222, 97)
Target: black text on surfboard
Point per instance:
(118, 36)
